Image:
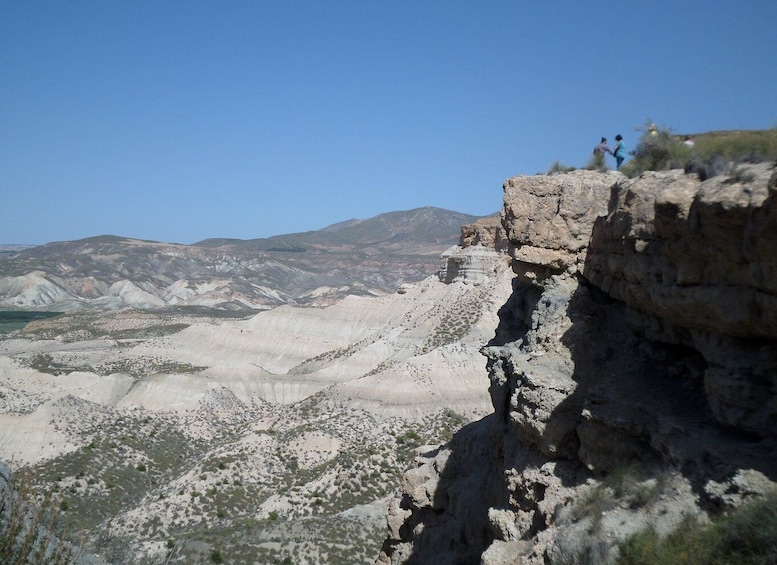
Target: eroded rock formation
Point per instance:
(481, 249)
(471, 265)
(640, 336)
(487, 232)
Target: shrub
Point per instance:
(559, 167)
(215, 556)
(712, 154)
(597, 163)
(657, 149)
(746, 536)
(625, 484)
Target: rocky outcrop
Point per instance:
(548, 218)
(639, 340)
(482, 249)
(472, 265)
(487, 232)
(699, 255)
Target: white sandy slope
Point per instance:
(32, 404)
(31, 291)
(365, 351)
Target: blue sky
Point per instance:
(183, 120)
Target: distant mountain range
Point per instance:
(315, 268)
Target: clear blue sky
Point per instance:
(183, 120)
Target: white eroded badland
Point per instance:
(170, 435)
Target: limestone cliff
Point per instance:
(641, 335)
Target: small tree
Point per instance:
(215, 556)
(657, 149)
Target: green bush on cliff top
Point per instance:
(712, 153)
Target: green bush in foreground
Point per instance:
(746, 536)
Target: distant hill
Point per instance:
(415, 230)
(362, 257)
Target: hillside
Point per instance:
(422, 230)
(358, 257)
(172, 435)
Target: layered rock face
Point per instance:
(471, 265)
(640, 335)
(481, 249)
(698, 261)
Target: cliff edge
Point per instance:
(633, 373)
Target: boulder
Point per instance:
(553, 215)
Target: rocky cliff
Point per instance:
(633, 373)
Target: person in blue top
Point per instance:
(620, 151)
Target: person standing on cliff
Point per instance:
(599, 152)
(620, 151)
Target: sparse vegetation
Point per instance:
(456, 319)
(31, 534)
(712, 154)
(559, 167)
(44, 363)
(626, 485)
(131, 461)
(226, 475)
(745, 536)
(140, 367)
